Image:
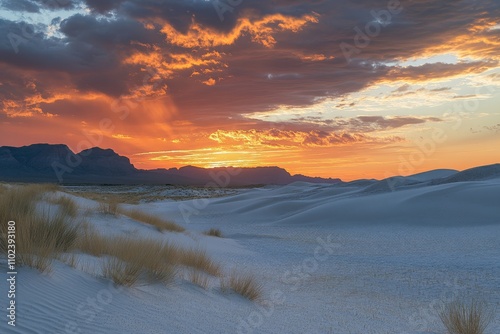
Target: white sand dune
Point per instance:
(391, 259)
(433, 174)
(474, 174)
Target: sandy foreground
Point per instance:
(332, 259)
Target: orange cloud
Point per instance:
(289, 138)
(313, 57)
(121, 136)
(435, 72)
(478, 42)
(210, 82)
(261, 31)
(31, 105)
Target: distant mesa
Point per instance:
(57, 163)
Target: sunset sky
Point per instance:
(349, 89)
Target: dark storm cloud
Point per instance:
(303, 66)
(20, 5)
(57, 4)
(34, 6)
(90, 54)
(221, 14)
(28, 49)
(103, 5)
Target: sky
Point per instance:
(350, 89)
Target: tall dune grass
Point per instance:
(157, 260)
(460, 317)
(109, 207)
(214, 232)
(66, 204)
(244, 284)
(40, 236)
(145, 255)
(198, 278)
(197, 259)
(160, 224)
(121, 272)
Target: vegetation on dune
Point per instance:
(460, 317)
(159, 223)
(197, 259)
(214, 232)
(39, 236)
(198, 278)
(121, 272)
(109, 207)
(66, 204)
(43, 235)
(244, 284)
(157, 261)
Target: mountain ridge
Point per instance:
(57, 163)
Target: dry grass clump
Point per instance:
(66, 205)
(121, 272)
(460, 317)
(110, 207)
(214, 232)
(40, 236)
(147, 253)
(92, 243)
(197, 259)
(243, 284)
(107, 196)
(17, 202)
(70, 259)
(198, 278)
(46, 187)
(158, 260)
(128, 256)
(160, 224)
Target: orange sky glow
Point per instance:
(260, 88)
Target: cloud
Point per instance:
(289, 138)
(438, 71)
(264, 56)
(20, 5)
(403, 88)
(261, 31)
(361, 124)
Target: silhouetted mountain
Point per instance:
(104, 162)
(34, 157)
(57, 163)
